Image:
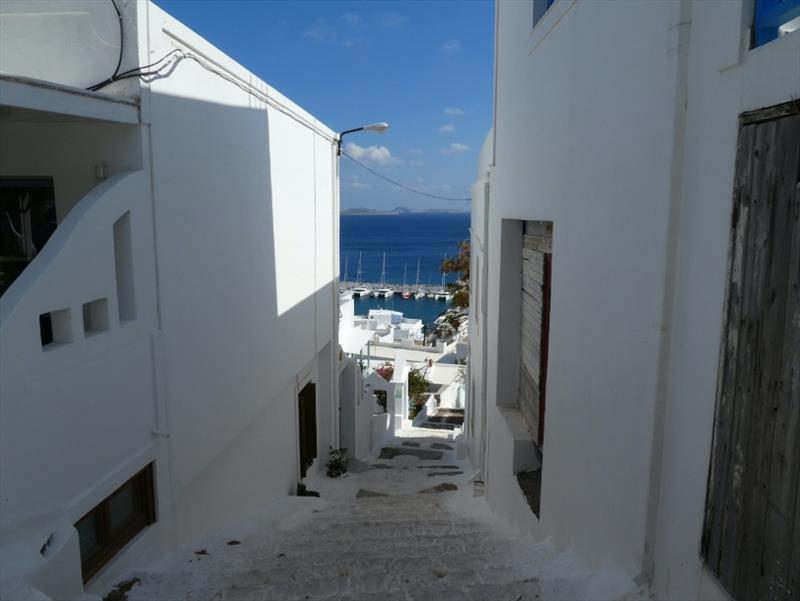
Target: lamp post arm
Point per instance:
(342, 135)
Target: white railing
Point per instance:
(74, 333)
(78, 266)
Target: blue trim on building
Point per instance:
(769, 16)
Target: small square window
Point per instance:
(95, 316)
(55, 328)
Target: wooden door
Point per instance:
(307, 424)
(751, 536)
(545, 342)
(535, 320)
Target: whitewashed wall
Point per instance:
(244, 198)
(618, 122)
(76, 418)
(475, 413)
(77, 42)
(68, 152)
(233, 209)
(596, 81)
(724, 79)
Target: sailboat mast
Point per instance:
(358, 269)
(417, 272)
(383, 270)
(346, 257)
(405, 270)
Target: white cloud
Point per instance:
(447, 128)
(391, 20)
(453, 111)
(351, 19)
(450, 45)
(455, 148)
(353, 43)
(373, 154)
(416, 163)
(415, 151)
(355, 182)
(321, 32)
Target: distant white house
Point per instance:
(634, 331)
(390, 326)
(168, 330)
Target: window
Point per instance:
(773, 18)
(55, 328)
(536, 251)
(115, 521)
(27, 220)
(539, 8)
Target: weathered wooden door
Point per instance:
(535, 320)
(751, 538)
(307, 418)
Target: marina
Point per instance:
(388, 290)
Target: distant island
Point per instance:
(398, 211)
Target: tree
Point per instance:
(459, 264)
(418, 384)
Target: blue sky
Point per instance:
(425, 67)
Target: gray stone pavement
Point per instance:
(394, 532)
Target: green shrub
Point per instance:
(418, 385)
(337, 464)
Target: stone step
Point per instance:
(440, 586)
(466, 549)
(389, 537)
(366, 576)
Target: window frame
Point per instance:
(538, 11)
(768, 17)
(110, 543)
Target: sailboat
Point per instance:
(360, 290)
(420, 293)
(444, 294)
(406, 292)
(384, 290)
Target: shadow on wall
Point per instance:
(244, 220)
(236, 233)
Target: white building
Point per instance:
(390, 326)
(602, 221)
(168, 359)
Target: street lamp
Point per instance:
(377, 128)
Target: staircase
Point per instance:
(445, 419)
(404, 527)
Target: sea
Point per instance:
(407, 239)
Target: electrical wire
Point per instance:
(171, 57)
(157, 69)
(403, 186)
(97, 86)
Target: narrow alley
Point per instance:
(409, 525)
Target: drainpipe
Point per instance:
(679, 33)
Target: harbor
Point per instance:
(385, 290)
(388, 290)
